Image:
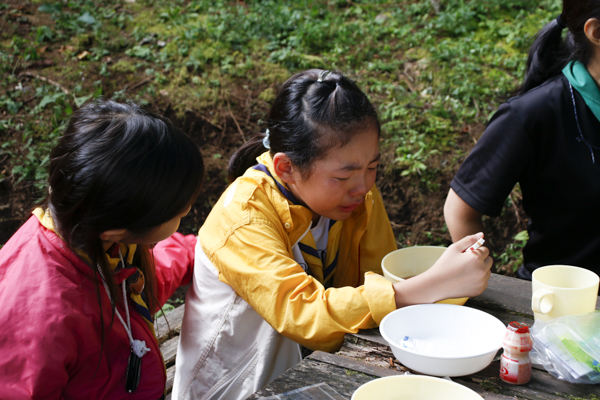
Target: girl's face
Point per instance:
(339, 181)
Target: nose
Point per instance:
(360, 187)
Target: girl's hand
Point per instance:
(456, 274)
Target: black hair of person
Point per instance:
(315, 111)
(120, 167)
(550, 52)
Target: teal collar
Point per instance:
(586, 86)
(580, 79)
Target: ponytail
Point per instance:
(245, 157)
(547, 56)
(550, 53)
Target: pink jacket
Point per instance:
(50, 331)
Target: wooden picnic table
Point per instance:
(365, 356)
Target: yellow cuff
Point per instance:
(380, 296)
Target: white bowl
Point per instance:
(443, 339)
(407, 262)
(411, 387)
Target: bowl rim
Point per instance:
(383, 268)
(417, 377)
(387, 339)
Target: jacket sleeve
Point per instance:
(257, 263)
(174, 261)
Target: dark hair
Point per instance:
(314, 111)
(550, 53)
(120, 167)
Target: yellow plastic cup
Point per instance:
(559, 290)
(405, 263)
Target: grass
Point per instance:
(432, 73)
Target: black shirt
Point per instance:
(533, 139)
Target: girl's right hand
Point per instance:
(455, 274)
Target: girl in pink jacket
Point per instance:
(79, 283)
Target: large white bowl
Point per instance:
(407, 262)
(412, 387)
(443, 339)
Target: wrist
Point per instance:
(417, 290)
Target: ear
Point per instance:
(592, 30)
(284, 168)
(113, 235)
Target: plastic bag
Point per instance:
(569, 347)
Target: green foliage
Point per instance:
(167, 308)
(512, 256)
(429, 72)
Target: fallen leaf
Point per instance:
(62, 49)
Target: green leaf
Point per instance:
(80, 100)
(522, 236)
(50, 8)
(139, 51)
(49, 99)
(87, 18)
(12, 106)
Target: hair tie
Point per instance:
(560, 21)
(266, 141)
(322, 75)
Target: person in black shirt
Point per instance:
(548, 140)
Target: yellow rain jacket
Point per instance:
(252, 303)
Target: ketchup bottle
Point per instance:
(515, 364)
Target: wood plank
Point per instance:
(169, 350)
(505, 293)
(353, 364)
(170, 378)
(169, 340)
(173, 321)
(343, 380)
(371, 335)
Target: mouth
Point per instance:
(350, 207)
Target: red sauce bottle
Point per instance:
(515, 364)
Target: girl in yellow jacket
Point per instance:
(290, 255)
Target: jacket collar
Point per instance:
(62, 248)
(45, 219)
(295, 218)
(266, 160)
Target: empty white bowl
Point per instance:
(407, 262)
(443, 339)
(412, 387)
